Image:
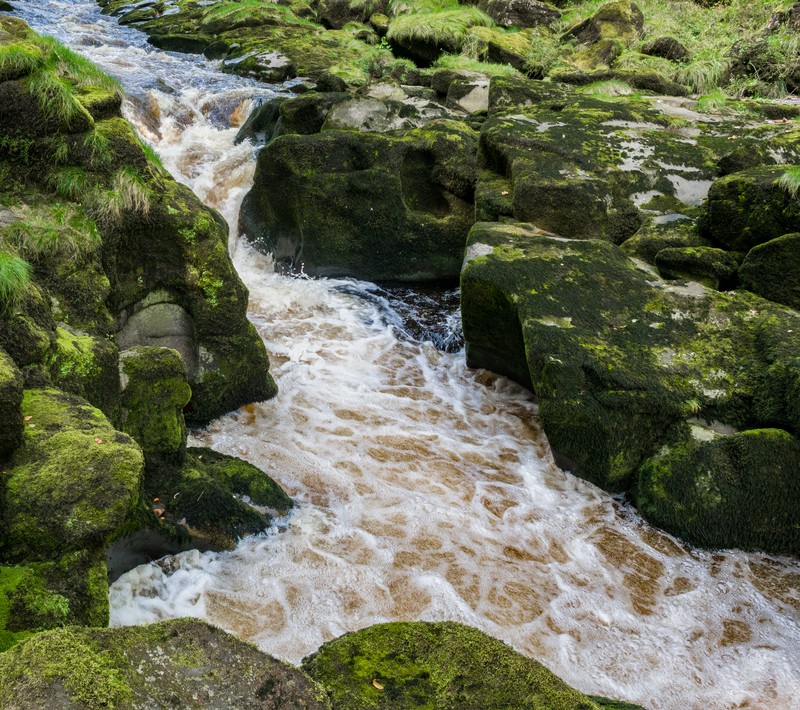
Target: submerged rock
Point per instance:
(434, 665)
(180, 663)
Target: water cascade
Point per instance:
(425, 490)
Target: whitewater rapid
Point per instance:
(425, 490)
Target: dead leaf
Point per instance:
(98, 440)
(377, 684)
(28, 418)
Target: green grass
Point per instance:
(129, 193)
(71, 183)
(19, 58)
(448, 28)
(790, 180)
(461, 61)
(51, 230)
(15, 274)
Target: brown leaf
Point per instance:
(98, 440)
(28, 418)
(377, 684)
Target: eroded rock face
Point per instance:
(180, 663)
(339, 203)
(624, 364)
(422, 665)
(10, 403)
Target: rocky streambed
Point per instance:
(628, 260)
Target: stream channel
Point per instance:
(425, 490)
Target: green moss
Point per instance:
(772, 270)
(154, 394)
(72, 482)
(730, 491)
(433, 665)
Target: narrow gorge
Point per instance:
(423, 487)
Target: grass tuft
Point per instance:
(790, 180)
(15, 274)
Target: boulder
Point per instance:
(520, 13)
(715, 268)
(750, 207)
(10, 405)
(772, 270)
(667, 48)
(366, 205)
(739, 490)
(422, 665)
(72, 483)
(621, 362)
(182, 663)
(588, 168)
(621, 20)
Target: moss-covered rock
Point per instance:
(615, 20)
(195, 665)
(750, 207)
(358, 204)
(10, 405)
(117, 247)
(772, 270)
(73, 481)
(154, 393)
(741, 490)
(618, 359)
(715, 268)
(212, 498)
(434, 665)
(520, 13)
(46, 595)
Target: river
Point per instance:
(425, 490)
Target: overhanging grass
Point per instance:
(447, 28)
(15, 274)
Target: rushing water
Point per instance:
(425, 490)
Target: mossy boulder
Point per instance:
(154, 393)
(117, 248)
(45, 595)
(772, 270)
(73, 481)
(211, 498)
(715, 268)
(666, 48)
(590, 168)
(750, 207)
(740, 490)
(619, 359)
(434, 665)
(653, 237)
(193, 664)
(340, 203)
(520, 13)
(10, 405)
(622, 21)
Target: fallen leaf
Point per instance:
(98, 440)
(28, 418)
(377, 684)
